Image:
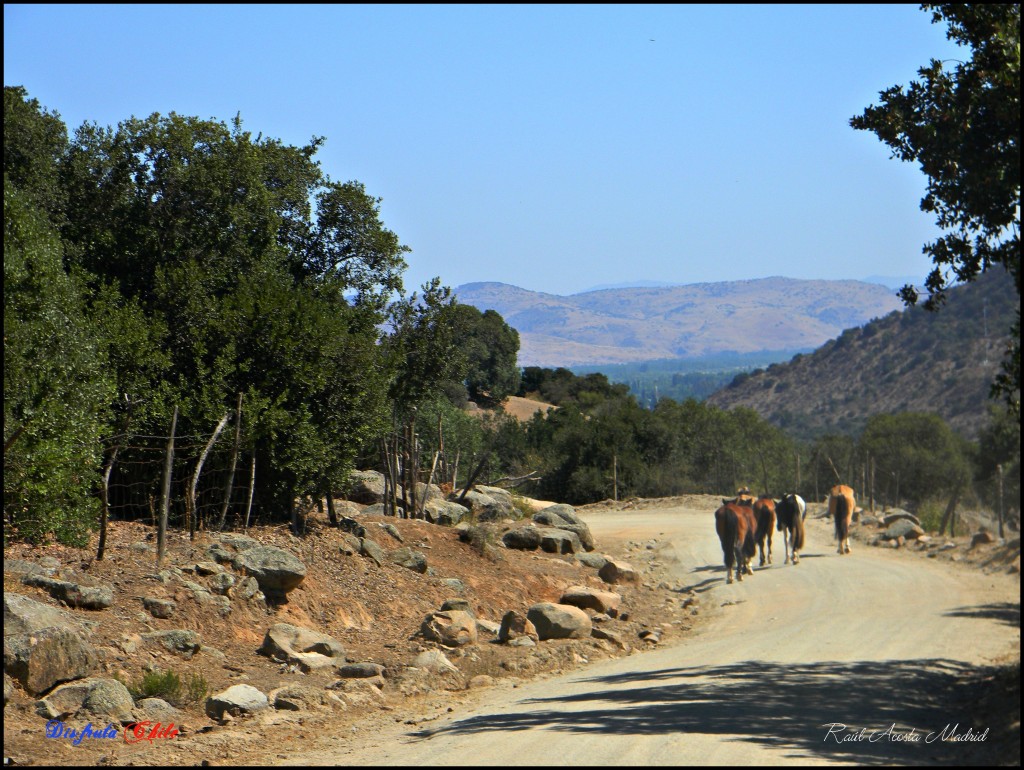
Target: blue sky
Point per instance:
(554, 147)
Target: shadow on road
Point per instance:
(804, 710)
(1006, 612)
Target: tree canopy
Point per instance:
(963, 126)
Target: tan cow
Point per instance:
(841, 505)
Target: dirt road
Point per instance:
(850, 659)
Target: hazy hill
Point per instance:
(648, 323)
(910, 360)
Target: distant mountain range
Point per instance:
(624, 325)
(910, 361)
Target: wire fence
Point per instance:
(202, 482)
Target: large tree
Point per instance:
(491, 348)
(963, 126)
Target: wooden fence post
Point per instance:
(252, 487)
(234, 461)
(999, 473)
(195, 478)
(105, 503)
(165, 501)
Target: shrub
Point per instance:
(522, 508)
(170, 687)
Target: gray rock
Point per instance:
(592, 599)
(895, 514)
(183, 641)
(309, 650)
(514, 626)
(526, 538)
(238, 700)
(73, 594)
(369, 548)
(559, 541)
(219, 553)
(48, 656)
(462, 605)
(410, 559)
(435, 660)
(615, 571)
(608, 635)
(452, 628)
(366, 487)
(222, 582)
(349, 544)
(904, 528)
(239, 542)
(361, 670)
(559, 621)
(159, 709)
(297, 697)
(276, 570)
(447, 513)
(592, 560)
(353, 527)
(565, 517)
(159, 608)
(454, 584)
(100, 697)
(245, 589)
(24, 615)
(22, 567)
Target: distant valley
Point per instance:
(636, 324)
(910, 361)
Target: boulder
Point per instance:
(452, 628)
(369, 548)
(592, 599)
(615, 571)
(297, 697)
(984, 537)
(47, 657)
(904, 528)
(559, 541)
(179, 640)
(565, 517)
(159, 608)
(73, 594)
(366, 487)
(106, 699)
(447, 513)
(515, 626)
(592, 560)
(410, 559)
(277, 571)
(526, 538)
(559, 621)
(24, 615)
(361, 671)
(895, 514)
(239, 700)
(309, 650)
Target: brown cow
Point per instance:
(841, 504)
(764, 516)
(735, 525)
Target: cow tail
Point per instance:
(798, 532)
(842, 517)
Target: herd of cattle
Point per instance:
(745, 523)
